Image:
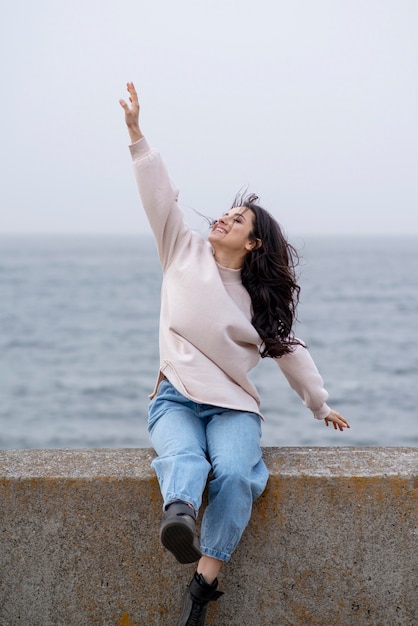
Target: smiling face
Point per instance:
(231, 237)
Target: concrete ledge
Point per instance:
(332, 541)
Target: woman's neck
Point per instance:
(232, 262)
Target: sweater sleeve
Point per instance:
(304, 377)
(159, 198)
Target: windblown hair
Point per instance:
(269, 275)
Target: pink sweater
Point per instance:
(207, 342)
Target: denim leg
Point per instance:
(240, 476)
(179, 438)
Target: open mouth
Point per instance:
(220, 229)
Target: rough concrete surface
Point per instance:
(332, 542)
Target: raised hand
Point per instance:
(132, 113)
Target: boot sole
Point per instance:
(180, 540)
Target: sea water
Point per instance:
(79, 342)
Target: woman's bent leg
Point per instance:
(240, 476)
(178, 437)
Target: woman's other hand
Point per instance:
(132, 113)
(337, 420)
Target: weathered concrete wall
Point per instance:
(333, 541)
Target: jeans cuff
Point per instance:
(179, 496)
(215, 554)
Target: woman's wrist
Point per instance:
(135, 133)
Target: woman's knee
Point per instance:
(237, 478)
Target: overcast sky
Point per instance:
(312, 104)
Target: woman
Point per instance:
(224, 303)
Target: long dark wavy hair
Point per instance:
(269, 275)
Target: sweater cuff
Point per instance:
(322, 413)
(139, 149)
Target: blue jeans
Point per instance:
(191, 439)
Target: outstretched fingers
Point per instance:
(337, 420)
(133, 99)
(133, 96)
(132, 113)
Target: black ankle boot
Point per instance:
(195, 601)
(178, 532)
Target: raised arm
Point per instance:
(158, 193)
(132, 113)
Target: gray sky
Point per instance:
(312, 104)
